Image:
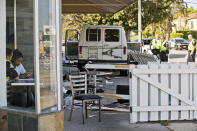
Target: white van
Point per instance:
(102, 43)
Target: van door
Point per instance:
(94, 43)
(71, 44)
(112, 44)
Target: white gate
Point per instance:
(163, 92)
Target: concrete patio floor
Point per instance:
(110, 121)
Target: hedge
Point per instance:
(176, 35)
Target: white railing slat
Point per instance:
(184, 91)
(164, 95)
(143, 95)
(165, 71)
(154, 97)
(163, 108)
(175, 89)
(133, 116)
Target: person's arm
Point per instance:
(17, 78)
(193, 47)
(22, 76)
(23, 73)
(28, 75)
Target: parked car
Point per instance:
(146, 45)
(179, 43)
(133, 45)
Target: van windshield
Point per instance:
(93, 35)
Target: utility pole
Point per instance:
(139, 21)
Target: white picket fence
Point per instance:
(163, 92)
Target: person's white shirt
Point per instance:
(19, 69)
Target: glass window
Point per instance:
(20, 54)
(48, 57)
(179, 40)
(93, 35)
(112, 35)
(10, 24)
(71, 43)
(72, 36)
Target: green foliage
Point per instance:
(176, 35)
(191, 11)
(147, 33)
(188, 32)
(152, 12)
(185, 12)
(71, 21)
(133, 35)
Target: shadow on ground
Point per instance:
(111, 121)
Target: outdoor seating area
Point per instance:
(80, 92)
(98, 65)
(103, 91)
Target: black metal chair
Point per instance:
(79, 92)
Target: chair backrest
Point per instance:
(78, 83)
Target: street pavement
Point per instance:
(178, 56)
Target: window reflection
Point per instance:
(47, 41)
(20, 36)
(20, 54)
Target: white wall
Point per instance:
(3, 100)
(194, 24)
(180, 23)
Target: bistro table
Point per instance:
(23, 82)
(23, 89)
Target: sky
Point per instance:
(191, 3)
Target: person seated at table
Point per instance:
(16, 60)
(11, 74)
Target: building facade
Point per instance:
(182, 23)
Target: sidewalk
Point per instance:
(183, 126)
(110, 121)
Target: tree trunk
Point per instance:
(168, 29)
(128, 35)
(153, 32)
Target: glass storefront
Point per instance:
(20, 54)
(32, 62)
(48, 58)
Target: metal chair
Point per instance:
(79, 92)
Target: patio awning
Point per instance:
(94, 6)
